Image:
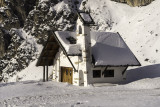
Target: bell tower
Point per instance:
(84, 38)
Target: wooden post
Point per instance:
(47, 73)
(43, 73)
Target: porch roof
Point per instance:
(48, 53)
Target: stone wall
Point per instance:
(13, 14)
(135, 2)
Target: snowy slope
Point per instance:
(139, 26)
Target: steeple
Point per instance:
(83, 37)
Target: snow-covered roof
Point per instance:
(71, 49)
(86, 18)
(108, 49)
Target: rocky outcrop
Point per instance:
(48, 17)
(18, 56)
(21, 8)
(38, 18)
(135, 2)
(13, 14)
(2, 50)
(4, 41)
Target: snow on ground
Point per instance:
(143, 93)
(144, 72)
(141, 89)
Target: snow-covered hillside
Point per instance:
(138, 26)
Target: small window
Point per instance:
(66, 72)
(96, 73)
(70, 73)
(72, 40)
(108, 73)
(80, 30)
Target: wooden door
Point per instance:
(66, 74)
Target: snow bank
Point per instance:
(145, 84)
(150, 71)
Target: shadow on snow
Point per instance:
(151, 71)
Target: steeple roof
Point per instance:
(85, 17)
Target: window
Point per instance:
(70, 72)
(71, 40)
(96, 73)
(80, 30)
(66, 72)
(108, 73)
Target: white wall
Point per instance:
(78, 77)
(118, 77)
(62, 61)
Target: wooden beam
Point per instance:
(44, 58)
(46, 53)
(51, 38)
(51, 47)
(124, 70)
(51, 50)
(47, 73)
(43, 73)
(51, 42)
(104, 70)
